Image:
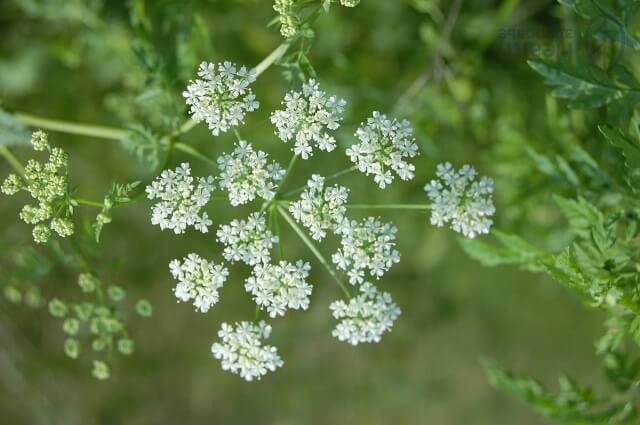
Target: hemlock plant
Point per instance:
(221, 95)
(272, 202)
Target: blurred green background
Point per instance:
(471, 98)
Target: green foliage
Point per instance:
(510, 249)
(599, 258)
(118, 195)
(586, 86)
(144, 146)
(572, 404)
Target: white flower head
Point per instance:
(278, 287)
(247, 240)
(221, 96)
(198, 280)
(366, 245)
(246, 173)
(384, 146)
(320, 208)
(307, 117)
(242, 351)
(365, 317)
(180, 199)
(461, 201)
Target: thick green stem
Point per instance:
(96, 131)
(12, 160)
(313, 249)
(276, 54)
(390, 206)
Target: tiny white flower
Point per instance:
(180, 200)
(278, 287)
(246, 173)
(384, 146)
(221, 96)
(366, 245)
(307, 117)
(198, 280)
(241, 350)
(365, 317)
(249, 241)
(320, 208)
(461, 201)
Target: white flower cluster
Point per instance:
(278, 287)
(247, 240)
(246, 173)
(180, 200)
(349, 3)
(384, 146)
(48, 184)
(458, 199)
(242, 351)
(198, 280)
(366, 245)
(365, 317)
(306, 117)
(320, 208)
(221, 96)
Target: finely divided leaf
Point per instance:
(584, 85)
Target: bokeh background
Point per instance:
(471, 98)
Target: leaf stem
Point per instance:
(326, 179)
(12, 160)
(276, 225)
(390, 206)
(89, 202)
(96, 131)
(194, 152)
(270, 59)
(313, 249)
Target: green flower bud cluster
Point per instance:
(21, 292)
(48, 184)
(288, 13)
(289, 20)
(99, 325)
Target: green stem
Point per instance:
(276, 224)
(286, 174)
(313, 249)
(194, 152)
(326, 179)
(237, 133)
(88, 202)
(276, 54)
(12, 160)
(390, 206)
(96, 131)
